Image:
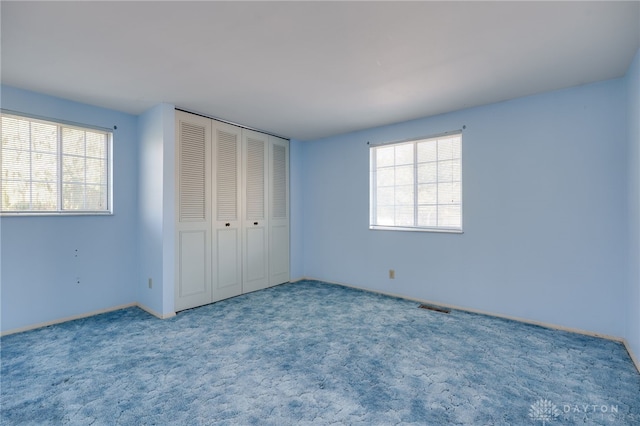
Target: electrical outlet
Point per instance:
(392, 274)
(150, 283)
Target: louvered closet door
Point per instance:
(255, 154)
(227, 254)
(193, 230)
(278, 211)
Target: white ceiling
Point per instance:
(308, 70)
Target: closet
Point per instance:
(232, 213)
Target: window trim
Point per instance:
(372, 195)
(109, 211)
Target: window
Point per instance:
(50, 167)
(417, 185)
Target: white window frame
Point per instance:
(60, 210)
(374, 220)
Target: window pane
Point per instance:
(45, 137)
(427, 151)
(45, 167)
(428, 194)
(385, 196)
(386, 176)
(404, 175)
(404, 154)
(427, 216)
(449, 216)
(449, 193)
(16, 164)
(72, 141)
(449, 148)
(96, 172)
(73, 169)
(15, 133)
(96, 145)
(449, 170)
(404, 195)
(73, 196)
(45, 196)
(385, 216)
(404, 216)
(96, 197)
(16, 196)
(385, 156)
(427, 172)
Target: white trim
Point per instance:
(65, 319)
(622, 340)
(635, 359)
(154, 313)
(86, 315)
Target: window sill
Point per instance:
(416, 229)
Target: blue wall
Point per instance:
(545, 212)
(39, 266)
(633, 298)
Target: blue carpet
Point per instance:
(313, 353)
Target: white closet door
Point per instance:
(255, 227)
(227, 249)
(193, 184)
(278, 211)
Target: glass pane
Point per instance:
(427, 172)
(385, 216)
(73, 169)
(404, 216)
(96, 145)
(73, 196)
(404, 154)
(44, 137)
(449, 193)
(96, 171)
(45, 196)
(72, 141)
(385, 176)
(449, 148)
(450, 216)
(385, 156)
(428, 194)
(385, 196)
(16, 164)
(427, 151)
(404, 195)
(96, 197)
(404, 175)
(45, 167)
(15, 133)
(15, 195)
(427, 216)
(449, 170)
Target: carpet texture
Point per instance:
(313, 353)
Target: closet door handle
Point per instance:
(255, 223)
(227, 224)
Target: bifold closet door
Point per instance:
(227, 184)
(255, 154)
(278, 211)
(193, 230)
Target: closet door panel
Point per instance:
(193, 208)
(278, 211)
(227, 256)
(255, 152)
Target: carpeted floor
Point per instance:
(313, 353)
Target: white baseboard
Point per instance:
(154, 313)
(65, 319)
(492, 314)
